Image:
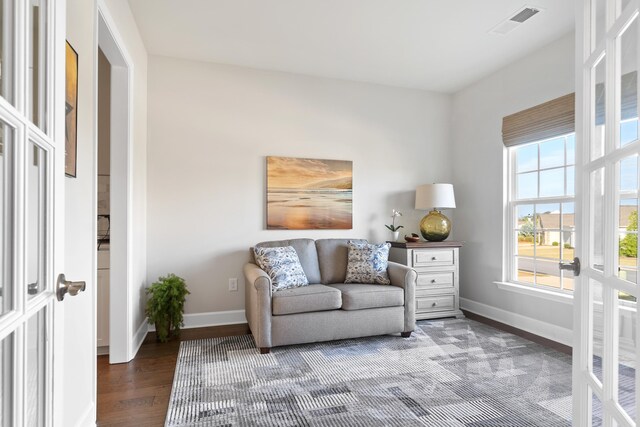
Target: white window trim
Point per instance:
(557, 295)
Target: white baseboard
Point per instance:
(139, 336)
(213, 318)
(534, 326)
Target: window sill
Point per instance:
(564, 298)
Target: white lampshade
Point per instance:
(438, 196)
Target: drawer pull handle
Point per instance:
(434, 304)
(433, 280)
(433, 258)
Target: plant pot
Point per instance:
(394, 236)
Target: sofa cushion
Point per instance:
(306, 250)
(282, 265)
(367, 263)
(358, 296)
(332, 257)
(306, 299)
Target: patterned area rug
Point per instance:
(450, 373)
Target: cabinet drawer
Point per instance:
(435, 303)
(435, 280)
(432, 258)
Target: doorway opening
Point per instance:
(104, 203)
(113, 247)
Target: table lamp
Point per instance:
(435, 227)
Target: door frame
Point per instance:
(123, 343)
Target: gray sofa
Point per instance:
(327, 309)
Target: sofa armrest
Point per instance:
(406, 278)
(258, 304)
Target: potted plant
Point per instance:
(393, 228)
(165, 306)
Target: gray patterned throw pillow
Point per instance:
(367, 263)
(282, 265)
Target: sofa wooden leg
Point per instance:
(405, 334)
(265, 350)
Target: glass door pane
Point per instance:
(36, 219)
(6, 49)
(596, 411)
(599, 110)
(597, 329)
(6, 217)
(7, 369)
(598, 10)
(596, 220)
(627, 217)
(36, 369)
(627, 342)
(37, 62)
(623, 4)
(628, 73)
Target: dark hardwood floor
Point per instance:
(519, 332)
(137, 393)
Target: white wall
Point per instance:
(210, 129)
(478, 166)
(127, 29)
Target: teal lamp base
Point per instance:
(435, 227)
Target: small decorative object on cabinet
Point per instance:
(395, 233)
(437, 290)
(413, 238)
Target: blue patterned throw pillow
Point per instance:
(282, 265)
(367, 263)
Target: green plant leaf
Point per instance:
(165, 306)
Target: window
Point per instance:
(541, 211)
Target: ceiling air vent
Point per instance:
(515, 20)
(524, 14)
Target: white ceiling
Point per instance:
(439, 45)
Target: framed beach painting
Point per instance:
(309, 194)
(71, 112)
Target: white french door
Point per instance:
(606, 348)
(31, 208)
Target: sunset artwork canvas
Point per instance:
(309, 194)
(71, 112)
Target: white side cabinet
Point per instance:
(102, 327)
(437, 291)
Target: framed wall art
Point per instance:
(71, 112)
(309, 194)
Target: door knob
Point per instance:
(32, 288)
(65, 286)
(572, 266)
